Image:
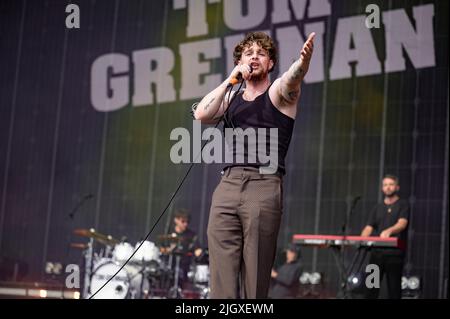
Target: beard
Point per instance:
(390, 195)
(258, 75)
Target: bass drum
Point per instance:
(117, 288)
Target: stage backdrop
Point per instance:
(86, 112)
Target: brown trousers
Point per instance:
(243, 228)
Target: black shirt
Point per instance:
(384, 216)
(286, 284)
(187, 241)
(259, 114)
(186, 245)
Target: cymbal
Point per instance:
(91, 233)
(79, 246)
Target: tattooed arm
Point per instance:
(213, 105)
(285, 92)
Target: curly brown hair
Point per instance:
(260, 38)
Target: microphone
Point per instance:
(74, 210)
(238, 78)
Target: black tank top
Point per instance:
(260, 115)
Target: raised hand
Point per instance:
(306, 53)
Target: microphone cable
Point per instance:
(230, 100)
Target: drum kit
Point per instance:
(149, 274)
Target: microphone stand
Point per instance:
(342, 268)
(90, 248)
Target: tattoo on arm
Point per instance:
(296, 72)
(290, 88)
(208, 105)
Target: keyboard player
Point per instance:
(388, 219)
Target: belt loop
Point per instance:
(227, 171)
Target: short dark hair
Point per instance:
(294, 248)
(393, 177)
(260, 38)
(182, 213)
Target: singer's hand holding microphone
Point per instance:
(239, 73)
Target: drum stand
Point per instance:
(175, 291)
(88, 257)
(143, 294)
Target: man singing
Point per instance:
(246, 206)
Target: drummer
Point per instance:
(185, 243)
